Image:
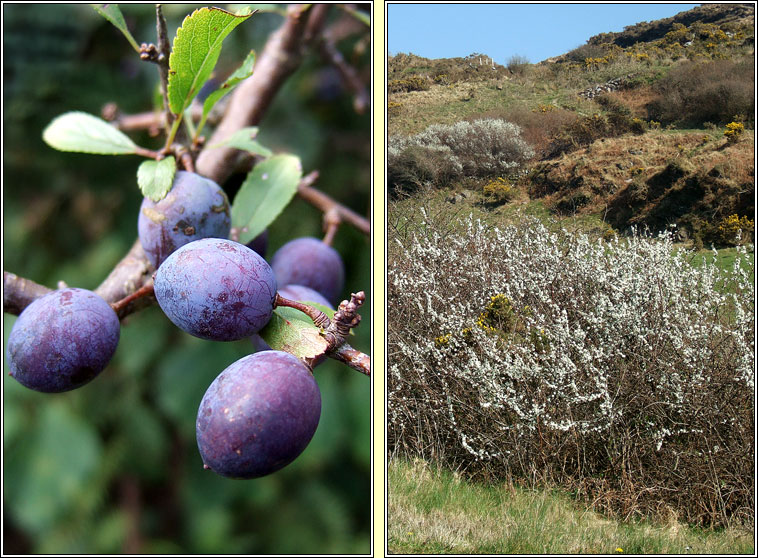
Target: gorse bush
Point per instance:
(615, 368)
(479, 148)
(733, 230)
(498, 191)
(733, 131)
(414, 83)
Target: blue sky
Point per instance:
(536, 31)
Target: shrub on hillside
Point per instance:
(614, 368)
(518, 64)
(480, 148)
(498, 191)
(412, 166)
(581, 53)
(538, 125)
(414, 83)
(698, 92)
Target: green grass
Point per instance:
(432, 511)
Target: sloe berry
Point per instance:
(194, 208)
(309, 262)
(216, 289)
(258, 415)
(62, 340)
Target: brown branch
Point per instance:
(331, 224)
(145, 295)
(18, 293)
(354, 358)
(164, 52)
(129, 275)
(280, 57)
(151, 121)
(348, 73)
(345, 318)
(323, 202)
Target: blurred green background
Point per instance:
(113, 467)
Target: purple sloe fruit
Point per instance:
(309, 262)
(259, 244)
(62, 340)
(216, 289)
(194, 208)
(258, 415)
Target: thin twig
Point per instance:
(164, 50)
(122, 307)
(349, 75)
(320, 319)
(323, 202)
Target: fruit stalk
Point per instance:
(320, 319)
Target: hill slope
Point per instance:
(630, 126)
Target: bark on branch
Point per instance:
(281, 56)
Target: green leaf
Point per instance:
(196, 49)
(239, 75)
(156, 177)
(292, 331)
(243, 139)
(84, 133)
(112, 13)
(267, 190)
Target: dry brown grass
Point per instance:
(635, 99)
(608, 169)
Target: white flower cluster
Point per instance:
(485, 147)
(618, 345)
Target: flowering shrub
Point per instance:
(595, 63)
(498, 191)
(414, 83)
(481, 148)
(733, 131)
(616, 368)
(734, 230)
(394, 108)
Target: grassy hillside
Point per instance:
(629, 127)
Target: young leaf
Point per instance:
(156, 177)
(267, 190)
(84, 133)
(243, 139)
(112, 13)
(292, 331)
(240, 74)
(196, 49)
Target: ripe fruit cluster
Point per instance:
(262, 411)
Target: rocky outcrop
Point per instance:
(612, 85)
